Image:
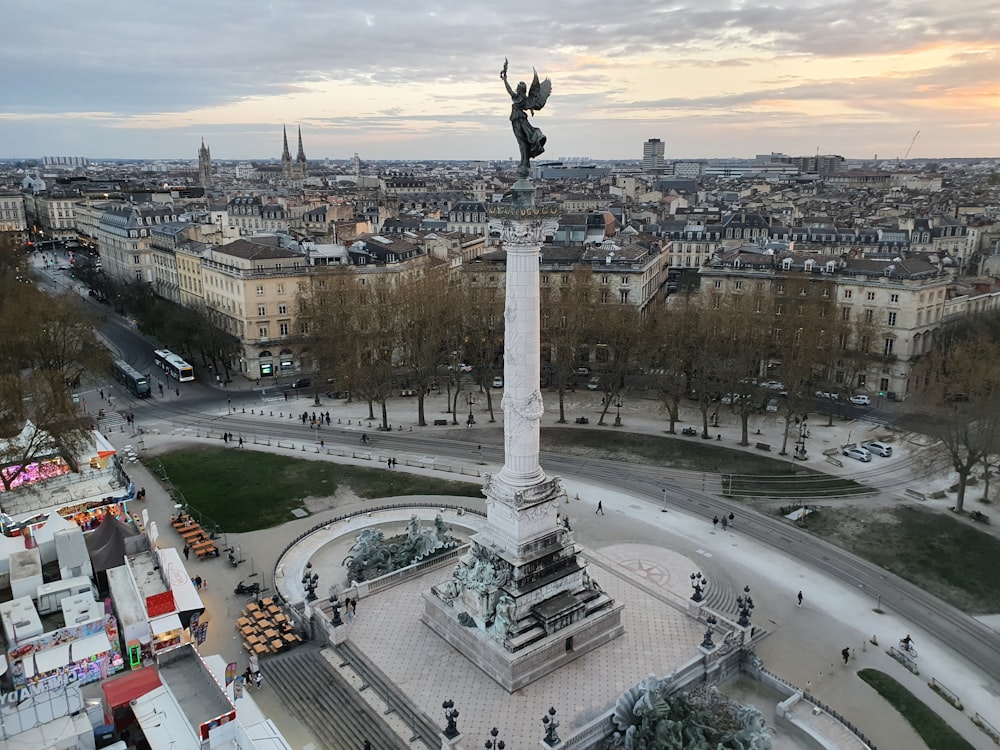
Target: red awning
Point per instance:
(119, 691)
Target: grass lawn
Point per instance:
(932, 729)
(249, 490)
(754, 475)
(933, 550)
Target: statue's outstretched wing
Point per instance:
(539, 92)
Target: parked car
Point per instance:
(498, 382)
(858, 454)
(828, 394)
(731, 398)
(594, 384)
(461, 367)
(583, 370)
(302, 383)
(878, 448)
(772, 405)
(773, 385)
(861, 400)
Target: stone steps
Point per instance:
(418, 723)
(315, 694)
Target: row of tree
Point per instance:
(47, 344)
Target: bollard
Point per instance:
(251, 411)
(338, 420)
(270, 414)
(280, 414)
(401, 428)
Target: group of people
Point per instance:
(253, 673)
(315, 419)
(726, 521)
(227, 437)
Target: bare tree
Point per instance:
(960, 382)
(566, 313)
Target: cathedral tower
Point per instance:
(204, 165)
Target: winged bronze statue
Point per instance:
(530, 140)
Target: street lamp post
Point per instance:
(617, 403)
(746, 605)
(472, 400)
(310, 581)
(493, 743)
(711, 621)
(450, 715)
(549, 722)
(698, 583)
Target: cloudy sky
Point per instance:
(394, 79)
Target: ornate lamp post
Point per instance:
(336, 621)
(549, 722)
(698, 583)
(617, 403)
(310, 581)
(493, 743)
(450, 715)
(746, 605)
(711, 622)
(472, 400)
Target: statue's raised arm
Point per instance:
(530, 140)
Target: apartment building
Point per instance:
(903, 300)
(251, 288)
(12, 216)
(124, 239)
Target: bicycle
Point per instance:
(908, 648)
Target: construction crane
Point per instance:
(909, 148)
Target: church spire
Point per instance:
(301, 158)
(285, 153)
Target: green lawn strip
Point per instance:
(249, 490)
(934, 551)
(933, 730)
(754, 475)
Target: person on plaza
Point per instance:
(906, 642)
(725, 523)
(715, 522)
(846, 653)
(258, 678)
(241, 442)
(187, 552)
(367, 745)
(731, 519)
(600, 508)
(799, 598)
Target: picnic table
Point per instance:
(205, 548)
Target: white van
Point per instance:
(50, 594)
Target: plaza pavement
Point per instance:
(652, 549)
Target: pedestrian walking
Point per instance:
(732, 518)
(846, 653)
(187, 552)
(600, 508)
(321, 443)
(388, 463)
(350, 610)
(258, 678)
(367, 745)
(102, 394)
(394, 463)
(254, 664)
(241, 442)
(799, 598)
(725, 523)
(715, 522)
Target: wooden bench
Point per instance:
(915, 495)
(206, 549)
(582, 420)
(978, 515)
(441, 422)
(764, 446)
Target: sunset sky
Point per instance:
(420, 79)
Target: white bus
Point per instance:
(173, 365)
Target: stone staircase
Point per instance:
(314, 693)
(419, 725)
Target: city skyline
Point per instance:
(393, 82)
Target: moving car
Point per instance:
(878, 448)
(828, 394)
(858, 454)
(861, 400)
(594, 383)
(302, 383)
(583, 370)
(498, 382)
